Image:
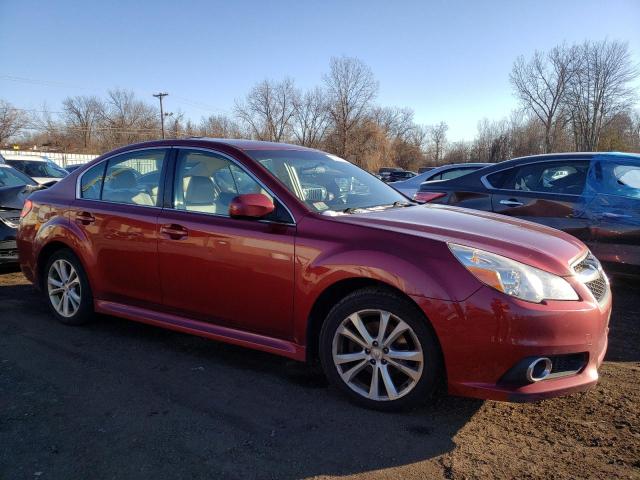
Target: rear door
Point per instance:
(550, 192)
(616, 210)
(117, 209)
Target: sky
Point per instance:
(447, 60)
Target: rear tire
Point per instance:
(67, 289)
(378, 348)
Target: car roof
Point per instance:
(576, 155)
(243, 144)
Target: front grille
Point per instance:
(598, 288)
(590, 273)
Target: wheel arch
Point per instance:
(339, 290)
(45, 254)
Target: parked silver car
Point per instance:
(410, 187)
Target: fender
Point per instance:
(60, 229)
(411, 278)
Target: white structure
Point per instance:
(61, 159)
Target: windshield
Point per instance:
(327, 183)
(36, 168)
(12, 178)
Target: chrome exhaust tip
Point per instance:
(539, 369)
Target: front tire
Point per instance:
(377, 348)
(67, 289)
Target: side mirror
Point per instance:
(251, 205)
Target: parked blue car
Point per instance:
(593, 196)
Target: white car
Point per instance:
(41, 169)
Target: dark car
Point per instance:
(382, 170)
(15, 186)
(299, 253)
(593, 196)
(424, 169)
(445, 172)
(397, 176)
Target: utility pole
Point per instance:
(159, 97)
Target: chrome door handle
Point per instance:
(84, 218)
(615, 215)
(174, 232)
(511, 203)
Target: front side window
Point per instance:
(207, 182)
(134, 178)
(326, 183)
(545, 177)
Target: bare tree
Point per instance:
(12, 121)
(351, 89)
(493, 142)
(438, 138)
(126, 119)
(219, 126)
(397, 123)
(311, 118)
(599, 90)
(268, 109)
(81, 115)
(541, 85)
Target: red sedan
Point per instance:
(300, 253)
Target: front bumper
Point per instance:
(485, 336)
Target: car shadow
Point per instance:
(299, 425)
(264, 416)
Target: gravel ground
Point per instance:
(116, 399)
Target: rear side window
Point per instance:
(455, 173)
(620, 178)
(131, 178)
(91, 184)
(567, 178)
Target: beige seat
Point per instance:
(200, 195)
(123, 188)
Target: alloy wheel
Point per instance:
(63, 287)
(377, 355)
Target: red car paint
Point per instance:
(256, 283)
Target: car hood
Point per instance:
(536, 245)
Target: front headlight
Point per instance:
(513, 278)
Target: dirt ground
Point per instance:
(116, 399)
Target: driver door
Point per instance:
(214, 268)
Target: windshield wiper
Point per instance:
(351, 210)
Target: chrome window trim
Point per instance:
(243, 169)
(169, 147)
(487, 184)
(79, 179)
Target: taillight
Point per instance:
(26, 208)
(427, 196)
